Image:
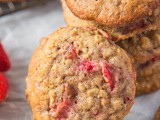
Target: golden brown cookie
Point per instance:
(77, 74)
(143, 47)
(117, 32)
(148, 77)
(157, 115)
(115, 12)
(144, 50)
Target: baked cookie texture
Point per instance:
(117, 32)
(144, 50)
(114, 12)
(148, 78)
(157, 115)
(77, 74)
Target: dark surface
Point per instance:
(10, 7)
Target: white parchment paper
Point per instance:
(20, 33)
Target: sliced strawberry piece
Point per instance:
(86, 66)
(3, 87)
(4, 60)
(72, 52)
(107, 76)
(62, 109)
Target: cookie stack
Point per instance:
(80, 72)
(120, 18)
(135, 24)
(144, 49)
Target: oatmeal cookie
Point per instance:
(117, 32)
(116, 12)
(77, 74)
(143, 47)
(157, 115)
(148, 77)
(144, 50)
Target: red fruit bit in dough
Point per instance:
(72, 52)
(127, 99)
(62, 109)
(86, 66)
(154, 59)
(107, 75)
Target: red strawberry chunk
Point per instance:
(154, 59)
(127, 99)
(62, 109)
(4, 61)
(107, 75)
(86, 66)
(72, 52)
(3, 87)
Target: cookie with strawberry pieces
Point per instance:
(78, 73)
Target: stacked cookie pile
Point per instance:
(135, 24)
(80, 72)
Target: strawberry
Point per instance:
(154, 59)
(3, 87)
(86, 66)
(107, 75)
(4, 61)
(62, 109)
(72, 52)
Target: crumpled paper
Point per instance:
(20, 33)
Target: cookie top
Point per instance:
(117, 33)
(148, 77)
(113, 12)
(143, 47)
(157, 115)
(76, 73)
